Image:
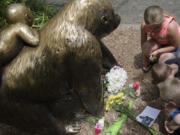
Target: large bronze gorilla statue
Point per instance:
(69, 57)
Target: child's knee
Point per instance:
(165, 56)
(146, 48)
(149, 47)
(146, 45)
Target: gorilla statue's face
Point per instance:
(98, 17)
(109, 21)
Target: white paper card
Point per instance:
(148, 116)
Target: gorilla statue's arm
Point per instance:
(86, 68)
(108, 59)
(28, 35)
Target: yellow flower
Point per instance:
(114, 99)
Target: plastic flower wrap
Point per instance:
(116, 79)
(114, 99)
(137, 88)
(99, 126)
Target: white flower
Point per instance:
(116, 78)
(131, 85)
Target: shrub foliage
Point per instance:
(42, 11)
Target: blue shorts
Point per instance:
(177, 111)
(175, 53)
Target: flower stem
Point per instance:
(114, 129)
(123, 109)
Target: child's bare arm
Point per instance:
(29, 35)
(163, 50)
(143, 34)
(173, 34)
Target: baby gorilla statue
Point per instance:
(170, 93)
(20, 19)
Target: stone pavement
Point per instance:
(131, 11)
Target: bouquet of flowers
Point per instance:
(114, 99)
(124, 109)
(116, 79)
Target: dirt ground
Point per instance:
(124, 43)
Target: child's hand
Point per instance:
(170, 131)
(155, 53)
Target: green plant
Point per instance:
(114, 129)
(131, 92)
(93, 120)
(3, 5)
(123, 108)
(42, 11)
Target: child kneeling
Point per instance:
(170, 93)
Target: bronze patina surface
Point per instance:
(69, 57)
(20, 19)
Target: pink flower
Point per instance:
(132, 66)
(99, 126)
(115, 68)
(138, 92)
(97, 131)
(137, 87)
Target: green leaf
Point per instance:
(131, 92)
(106, 85)
(123, 108)
(106, 123)
(114, 129)
(42, 11)
(92, 120)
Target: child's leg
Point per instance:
(147, 48)
(171, 55)
(166, 56)
(175, 69)
(177, 119)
